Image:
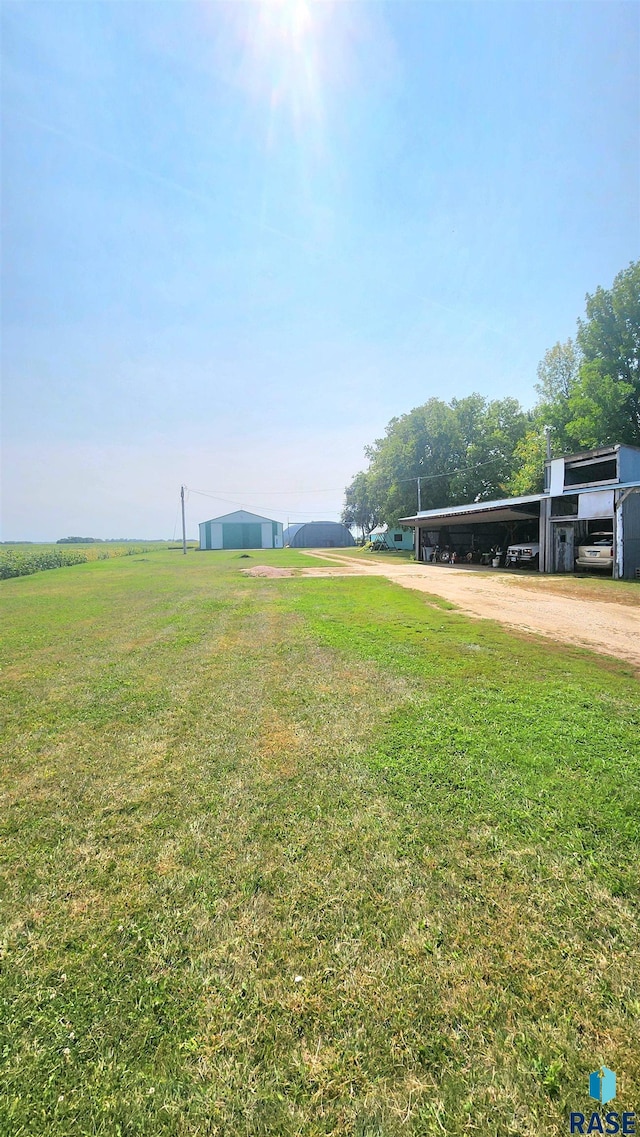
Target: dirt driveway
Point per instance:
(603, 626)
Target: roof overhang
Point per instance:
(479, 512)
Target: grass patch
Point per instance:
(307, 856)
(584, 587)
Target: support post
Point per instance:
(184, 528)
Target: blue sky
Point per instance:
(240, 238)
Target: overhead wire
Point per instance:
(337, 489)
(268, 508)
(269, 493)
(215, 496)
(175, 524)
(447, 473)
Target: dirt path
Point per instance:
(610, 628)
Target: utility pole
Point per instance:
(547, 435)
(419, 495)
(184, 531)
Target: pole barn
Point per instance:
(241, 530)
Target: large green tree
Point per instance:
(460, 451)
(605, 400)
(473, 450)
(588, 390)
(360, 510)
(610, 335)
(557, 376)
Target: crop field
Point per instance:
(301, 857)
(27, 558)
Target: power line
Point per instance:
(267, 508)
(267, 493)
(243, 494)
(447, 473)
(338, 489)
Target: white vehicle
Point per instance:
(598, 554)
(527, 553)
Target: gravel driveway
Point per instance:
(604, 626)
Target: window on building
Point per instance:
(566, 506)
(588, 473)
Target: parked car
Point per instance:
(527, 553)
(598, 554)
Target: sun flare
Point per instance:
(291, 56)
(286, 43)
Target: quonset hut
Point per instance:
(318, 535)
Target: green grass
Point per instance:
(386, 556)
(307, 856)
(589, 585)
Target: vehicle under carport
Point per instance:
(479, 531)
(594, 492)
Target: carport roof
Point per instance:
(506, 509)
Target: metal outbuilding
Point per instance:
(318, 535)
(241, 530)
(394, 538)
(595, 491)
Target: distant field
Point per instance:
(24, 559)
(305, 857)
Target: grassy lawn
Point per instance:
(306, 857)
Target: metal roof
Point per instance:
(500, 510)
(291, 530)
(240, 517)
(568, 490)
(505, 508)
(321, 532)
(598, 452)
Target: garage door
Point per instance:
(247, 536)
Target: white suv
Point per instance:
(528, 553)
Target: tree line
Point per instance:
(474, 449)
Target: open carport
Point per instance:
(588, 496)
(476, 530)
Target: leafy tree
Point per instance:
(473, 450)
(79, 541)
(557, 375)
(460, 451)
(605, 401)
(589, 390)
(529, 456)
(599, 406)
(359, 509)
(611, 332)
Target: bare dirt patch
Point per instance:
(606, 626)
(266, 570)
